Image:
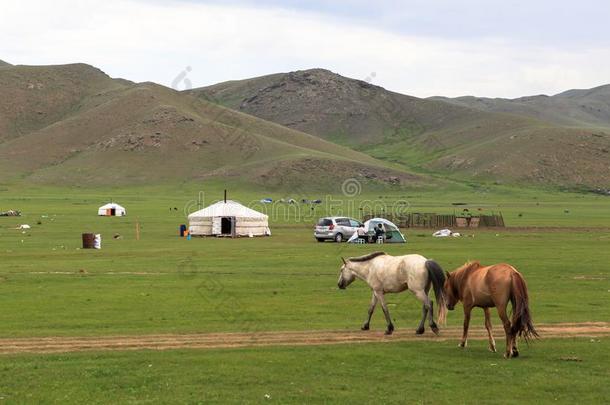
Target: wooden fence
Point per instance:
(439, 221)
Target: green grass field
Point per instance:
(413, 372)
(165, 284)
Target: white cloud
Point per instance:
(155, 42)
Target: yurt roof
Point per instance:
(228, 209)
(111, 205)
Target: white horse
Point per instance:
(394, 274)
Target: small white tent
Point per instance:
(111, 210)
(228, 218)
(392, 233)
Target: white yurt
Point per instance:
(111, 210)
(228, 218)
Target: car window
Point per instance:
(342, 221)
(325, 222)
(354, 223)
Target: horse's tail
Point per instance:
(437, 276)
(522, 319)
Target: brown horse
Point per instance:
(488, 287)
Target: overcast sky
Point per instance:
(422, 47)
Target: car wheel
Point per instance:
(339, 238)
(320, 239)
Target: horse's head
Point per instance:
(451, 293)
(346, 275)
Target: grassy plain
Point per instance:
(165, 284)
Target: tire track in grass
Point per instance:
(271, 338)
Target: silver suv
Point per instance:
(338, 229)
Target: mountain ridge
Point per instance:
(74, 124)
(575, 107)
(447, 136)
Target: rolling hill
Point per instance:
(347, 111)
(578, 108)
(73, 124)
(429, 135)
(3, 63)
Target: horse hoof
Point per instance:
(388, 332)
(435, 329)
(365, 327)
(419, 331)
(390, 329)
(462, 345)
(515, 353)
(492, 349)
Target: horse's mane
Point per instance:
(462, 272)
(366, 258)
(469, 266)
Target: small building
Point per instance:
(228, 218)
(111, 210)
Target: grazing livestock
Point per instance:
(393, 274)
(487, 287)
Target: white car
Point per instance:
(338, 229)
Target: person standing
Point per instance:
(362, 233)
(379, 233)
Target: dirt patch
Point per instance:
(261, 339)
(598, 278)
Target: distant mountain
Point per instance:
(456, 138)
(74, 124)
(3, 63)
(351, 112)
(578, 108)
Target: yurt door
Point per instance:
(228, 226)
(216, 225)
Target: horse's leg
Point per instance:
(492, 342)
(424, 312)
(515, 351)
(384, 307)
(506, 322)
(423, 297)
(467, 311)
(433, 325)
(371, 309)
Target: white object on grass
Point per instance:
(97, 242)
(443, 233)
